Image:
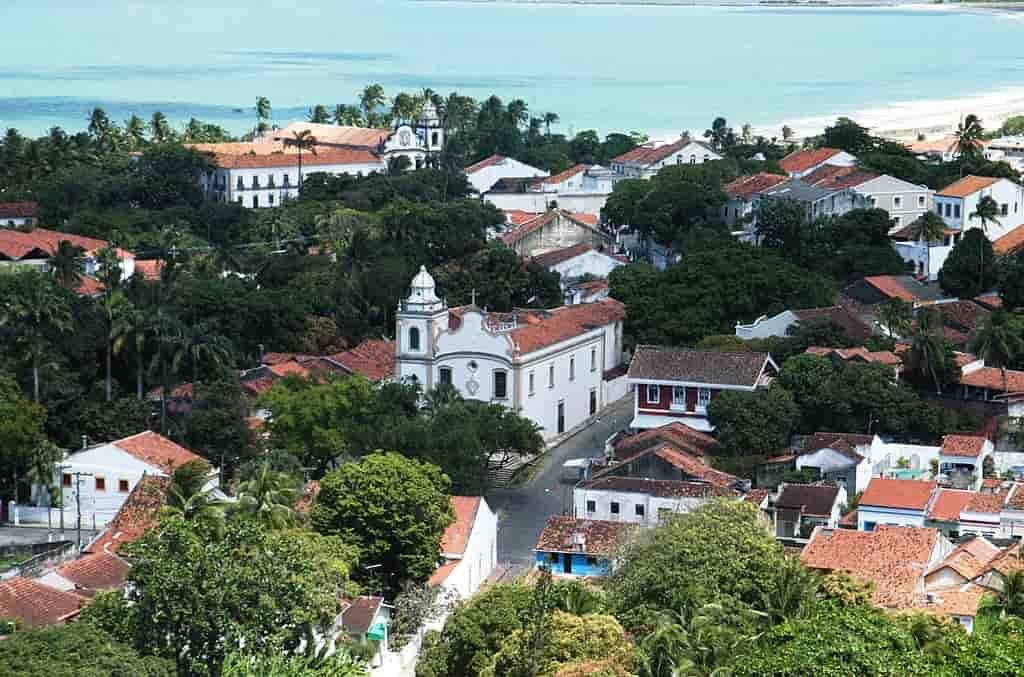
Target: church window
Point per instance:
(593, 359)
(572, 368)
(531, 380)
(445, 376)
(500, 384)
(693, 159)
(414, 338)
(551, 376)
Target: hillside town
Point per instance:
(431, 390)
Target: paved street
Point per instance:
(523, 511)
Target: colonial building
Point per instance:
(580, 263)
(678, 384)
(549, 365)
(647, 160)
(19, 213)
(580, 547)
(802, 162)
(581, 188)
(266, 171)
(469, 547)
(741, 193)
(538, 234)
(33, 247)
(484, 174)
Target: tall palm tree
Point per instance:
(519, 111)
(896, 317)
(702, 645)
(187, 499)
(549, 119)
(159, 128)
(927, 354)
(791, 594)
(101, 129)
(132, 327)
(1000, 341)
(318, 114)
(403, 107)
(347, 115)
(301, 140)
(269, 498)
(969, 134)
(36, 311)
(371, 98)
(929, 228)
(262, 113)
(67, 265)
(135, 131)
(198, 343)
(113, 305)
(987, 212)
(108, 268)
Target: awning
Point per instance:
(648, 421)
(378, 631)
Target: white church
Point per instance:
(555, 367)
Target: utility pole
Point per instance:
(61, 470)
(78, 502)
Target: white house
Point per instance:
(469, 547)
(845, 458)
(19, 213)
(957, 202)
(530, 235)
(965, 455)
(894, 502)
(265, 172)
(904, 201)
(32, 246)
(799, 508)
(645, 161)
(804, 161)
(578, 261)
(98, 479)
(484, 174)
(581, 188)
(549, 365)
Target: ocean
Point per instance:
(623, 67)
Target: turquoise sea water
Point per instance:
(607, 67)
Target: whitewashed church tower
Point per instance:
(429, 129)
(419, 319)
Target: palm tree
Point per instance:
(1000, 341)
(403, 107)
(549, 119)
(159, 128)
(346, 115)
(269, 498)
(135, 131)
(518, 111)
(113, 305)
(132, 326)
(787, 133)
(301, 140)
(198, 343)
(262, 113)
(927, 354)
(108, 268)
(370, 100)
(67, 265)
(987, 212)
(1009, 601)
(794, 589)
(929, 228)
(100, 128)
(968, 139)
(896, 317)
(703, 645)
(37, 310)
(318, 114)
(187, 499)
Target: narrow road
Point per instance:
(522, 511)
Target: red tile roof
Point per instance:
(518, 217)
(992, 378)
(890, 286)
(149, 269)
(19, 210)
(557, 256)
(1015, 499)
(483, 164)
(1010, 243)
(678, 434)
(566, 175)
(373, 358)
(442, 572)
(88, 286)
(849, 520)
(970, 559)
(949, 601)
(745, 187)
(99, 571)
(546, 328)
(324, 156)
(962, 445)
(137, 514)
(969, 185)
(1008, 560)
(156, 450)
(893, 558)
(986, 504)
(660, 488)
(36, 605)
(756, 496)
(456, 536)
(859, 353)
(648, 155)
(802, 160)
(15, 244)
(524, 228)
(283, 369)
(592, 537)
(837, 178)
(357, 616)
(903, 494)
(948, 504)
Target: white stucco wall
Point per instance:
(480, 557)
(652, 506)
(507, 168)
(765, 327)
(593, 263)
(892, 516)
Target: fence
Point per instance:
(46, 556)
(50, 517)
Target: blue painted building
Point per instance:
(580, 547)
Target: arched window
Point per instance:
(414, 338)
(693, 159)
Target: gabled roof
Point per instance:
(843, 443)
(859, 354)
(985, 504)
(968, 446)
(687, 365)
(16, 244)
(483, 164)
(678, 434)
(901, 494)
(835, 178)
(802, 160)
(948, 505)
(1006, 561)
(149, 269)
(341, 135)
(137, 514)
(19, 210)
(520, 230)
(992, 379)
(969, 185)
(99, 571)
(456, 536)
(591, 537)
(648, 155)
(357, 615)
(745, 187)
(969, 559)
(546, 328)
(1010, 243)
(156, 450)
(564, 176)
(903, 287)
(816, 500)
(373, 358)
(36, 605)
(964, 316)
(893, 558)
(556, 256)
(688, 464)
(323, 156)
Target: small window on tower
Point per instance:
(445, 376)
(414, 338)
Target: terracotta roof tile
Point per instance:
(962, 445)
(648, 155)
(592, 537)
(660, 363)
(745, 187)
(802, 160)
(969, 185)
(329, 134)
(903, 494)
(893, 558)
(520, 230)
(557, 256)
(547, 328)
(756, 496)
(483, 164)
(137, 514)
(948, 504)
(1008, 560)
(1015, 499)
(15, 244)
(962, 315)
(99, 571)
(970, 559)
(835, 178)
(36, 605)
(992, 378)
(456, 536)
(890, 286)
(990, 301)
(661, 488)
(149, 269)
(678, 434)
(849, 520)
(19, 210)
(156, 450)
(985, 504)
(283, 369)
(357, 615)
(1010, 243)
(322, 157)
(518, 217)
(564, 176)
(373, 358)
(945, 602)
(442, 572)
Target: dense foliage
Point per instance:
(76, 650)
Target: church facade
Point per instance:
(549, 365)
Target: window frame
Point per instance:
(414, 344)
(614, 508)
(551, 375)
(441, 372)
(703, 394)
(656, 391)
(100, 483)
(593, 359)
(638, 510)
(66, 480)
(591, 506)
(121, 482)
(572, 367)
(531, 381)
(503, 373)
(679, 402)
